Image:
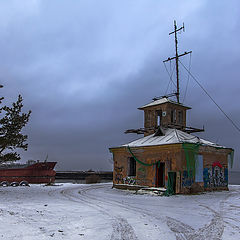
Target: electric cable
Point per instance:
(170, 75)
(189, 69)
(234, 124)
(172, 69)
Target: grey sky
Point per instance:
(83, 68)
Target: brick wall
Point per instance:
(174, 158)
(150, 115)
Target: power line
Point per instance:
(189, 68)
(235, 125)
(170, 75)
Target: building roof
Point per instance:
(170, 136)
(161, 101)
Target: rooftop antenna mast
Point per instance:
(176, 55)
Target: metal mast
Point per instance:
(177, 56)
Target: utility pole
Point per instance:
(177, 56)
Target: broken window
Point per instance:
(132, 167)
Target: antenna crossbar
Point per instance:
(169, 59)
(176, 30)
(177, 55)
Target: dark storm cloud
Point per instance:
(83, 68)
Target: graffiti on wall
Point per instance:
(226, 175)
(118, 175)
(129, 180)
(187, 179)
(216, 176)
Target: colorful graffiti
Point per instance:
(226, 175)
(118, 175)
(216, 176)
(187, 179)
(129, 180)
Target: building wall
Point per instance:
(214, 170)
(146, 175)
(150, 116)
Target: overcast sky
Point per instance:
(84, 67)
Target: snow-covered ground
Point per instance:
(98, 212)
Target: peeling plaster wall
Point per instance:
(215, 170)
(146, 175)
(215, 167)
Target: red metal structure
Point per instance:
(40, 172)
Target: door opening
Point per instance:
(171, 182)
(160, 175)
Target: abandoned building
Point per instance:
(168, 156)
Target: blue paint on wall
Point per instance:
(205, 177)
(187, 180)
(199, 168)
(215, 177)
(226, 175)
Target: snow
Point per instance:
(161, 101)
(171, 136)
(97, 211)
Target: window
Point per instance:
(180, 117)
(173, 116)
(159, 114)
(132, 167)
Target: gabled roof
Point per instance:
(161, 101)
(171, 136)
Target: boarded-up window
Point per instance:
(199, 168)
(131, 167)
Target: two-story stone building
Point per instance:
(168, 155)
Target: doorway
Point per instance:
(160, 174)
(171, 182)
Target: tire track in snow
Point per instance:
(122, 230)
(136, 210)
(213, 230)
(217, 225)
(128, 207)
